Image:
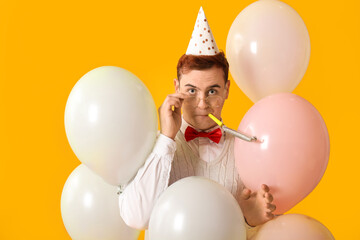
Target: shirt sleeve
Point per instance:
(139, 196)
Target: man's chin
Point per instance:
(202, 117)
(203, 122)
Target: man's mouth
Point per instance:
(204, 113)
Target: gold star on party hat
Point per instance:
(202, 41)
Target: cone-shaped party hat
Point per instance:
(202, 41)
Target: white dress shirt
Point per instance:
(172, 160)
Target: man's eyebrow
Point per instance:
(215, 86)
(189, 85)
(212, 86)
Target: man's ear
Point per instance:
(227, 88)
(177, 85)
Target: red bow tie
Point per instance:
(214, 135)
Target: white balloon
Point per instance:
(90, 210)
(111, 123)
(268, 49)
(196, 208)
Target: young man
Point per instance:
(191, 144)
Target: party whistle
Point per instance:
(232, 131)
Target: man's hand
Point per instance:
(257, 207)
(170, 114)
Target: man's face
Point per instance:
(207, 91)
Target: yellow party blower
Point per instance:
(232, 131)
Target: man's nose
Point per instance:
(202, 103)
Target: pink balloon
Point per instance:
(293, 154)
(294, 227)
(268, 48)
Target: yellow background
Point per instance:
(46, 46)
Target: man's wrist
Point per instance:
(172, 136)
(164, 145)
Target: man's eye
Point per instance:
(212, 92)
(191, 91)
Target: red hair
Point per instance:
(200, 62)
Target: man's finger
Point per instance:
(177, 110)
(271, 207)
(179, 95)
(268, 197)
(265, 188)
(246, 193)
(269, 215)
(172, 101)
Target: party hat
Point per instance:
(202, 41)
